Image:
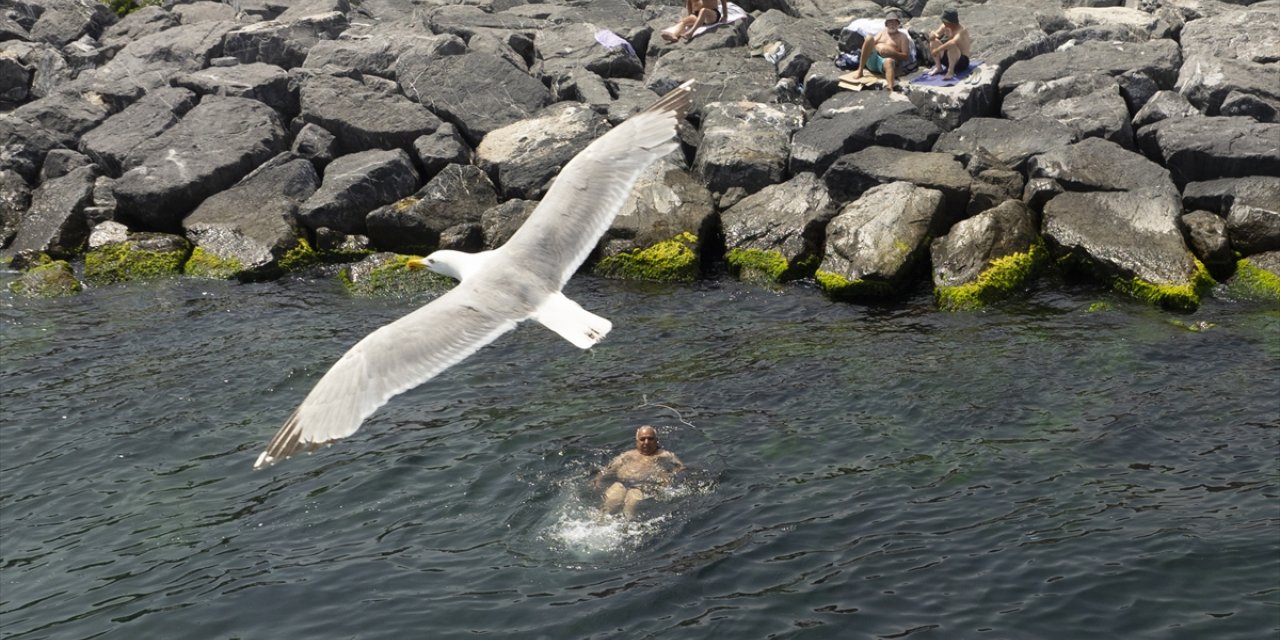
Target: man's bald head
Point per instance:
(647, 440)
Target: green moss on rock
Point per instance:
(1004, 276)
(299, 257)
(674, 260)
(769, 266)
(1177, 297)
(46, 279)
(837, 287)
(389, 274)
(124, 261)
(204, 264)
(1255, 283)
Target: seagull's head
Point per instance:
(446, 262)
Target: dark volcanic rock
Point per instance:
(55, 224)
(356, 184)
(1090, 105)
(1011, 142)
(213, 147)
(1207, 238)
(1162, 106)
(801, 41)
(1094, 164)
(721, 78)
(972, 247)
(1218, 195)
(499, 223)
(445, 214)
(523, 157)
(1203, 148)
(441, 149)
(777, 233)
(15, 199)
(1231, 60)
(152, 59)
(1129, 239)
(316, 144)
(1254, 229)
(386, 55)
(666, 203)
(364, 115)
(112, 141)
(877, 242)
(253, 223)
(855, 173)
(848, 122)
(265, 83)
(571, 46)
(60, 162)
(745, 144)
(64, 22)
(1129, 62)
(143, 22)
(477, 92)
(282, 42)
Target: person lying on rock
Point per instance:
(950, 46)
(701, 13)
(886, 50)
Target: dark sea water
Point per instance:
(1042, 470)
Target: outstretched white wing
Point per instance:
(389, 361)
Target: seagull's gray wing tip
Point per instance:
(677, 100)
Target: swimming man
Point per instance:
(638, 473)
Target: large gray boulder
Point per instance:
(876, 243)
(1128, 239)
(149, 61)
(55, 223)
(55, 121)
(1012, 142)
(62, 23)
(523, 157)
(356, 184)
(143, 22)
(141, 122)
(848, 122)
(500, 222)
(1091, 105)
(1254, 229)
(1094, 164)
(215, 145)
(987, 257)
(263, 82)
(440, 149)
(15, 199)
(445, 214)
(1137, 66)
(1219, 195)
(855, 173)
(1206, 235)
(571, 46)
(721, 78)
(284, 42)
(253, 224)
(1163, 106)
(666, 203)
(777, 233)
(1229, 57)
(794, 44)
(364, 115)
(387, 55)
(1205, 148)
(477, 92)
(745, 144)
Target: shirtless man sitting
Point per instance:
(643, 469)
(886, 50)
(701, 13)
(949, 45)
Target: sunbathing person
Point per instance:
(701, 13)
(886, 50)
(950, 46)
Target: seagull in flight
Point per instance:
(497, 289)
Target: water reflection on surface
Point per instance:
(1036, 471)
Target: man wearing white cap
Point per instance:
(886, 50)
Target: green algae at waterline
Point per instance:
(754, 265)
(125, 261)
(1253, 282)
(390, 274)
(47, 278)
(1002, 277)
(674, 260)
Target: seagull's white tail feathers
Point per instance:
(575, 324)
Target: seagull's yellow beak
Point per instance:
(415, 263)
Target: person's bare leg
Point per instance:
(862, 57)
(937, 60)
(953, 56)
(614, 498)
(890, 65)
(634, 496)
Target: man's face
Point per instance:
(892, 25)
(647, 441)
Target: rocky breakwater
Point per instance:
(1134, 143)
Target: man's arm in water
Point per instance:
(609, 470)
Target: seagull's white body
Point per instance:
(497, 289)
